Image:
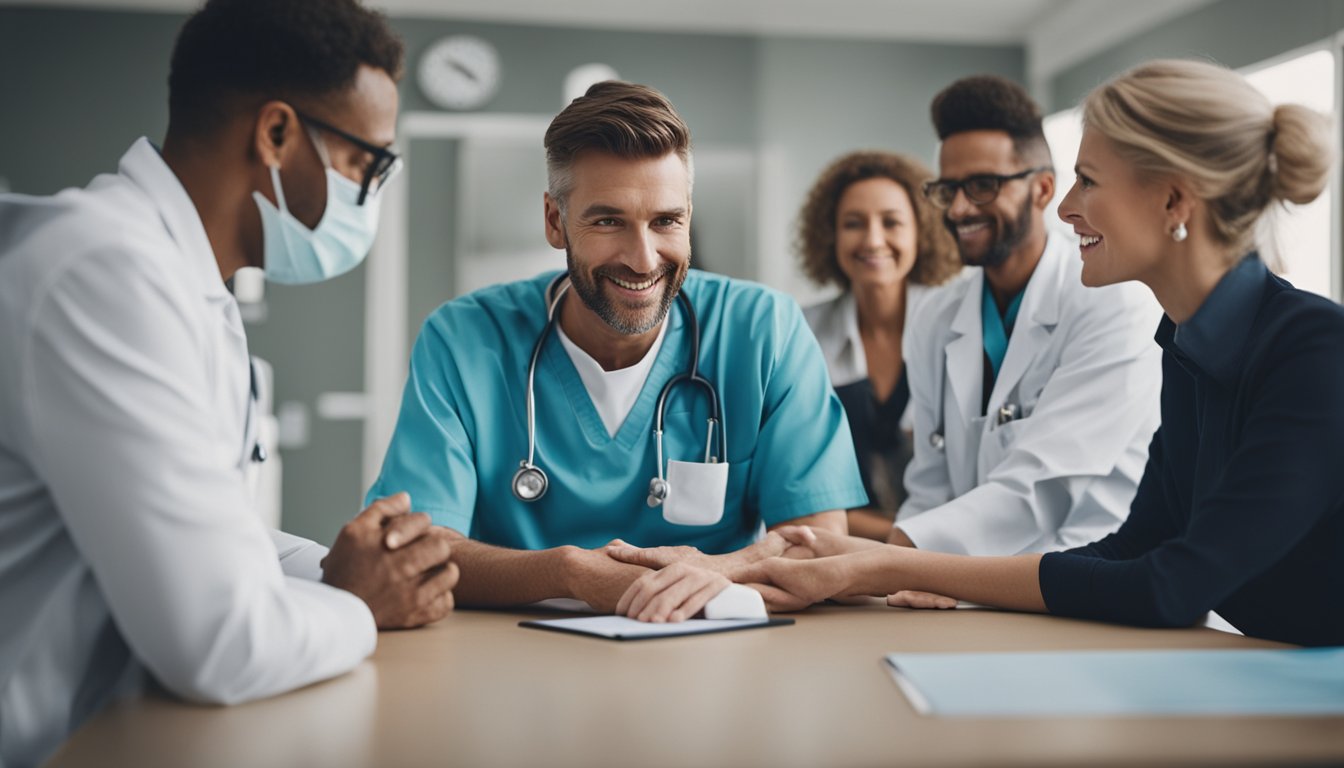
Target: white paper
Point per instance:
(620, 626)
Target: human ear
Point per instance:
(1045, 189)
(554, 221)
(1180, 204)
(274, 132)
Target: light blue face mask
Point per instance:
(295, 254)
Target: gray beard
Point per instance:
(593, 297)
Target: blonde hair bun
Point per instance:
(1206, 124)
(1302, 151)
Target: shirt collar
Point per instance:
(1214, 336)
(850, 358)
(145, 167)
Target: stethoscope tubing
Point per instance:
(529, 468)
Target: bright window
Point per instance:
(1300, 234)
(1064, 131)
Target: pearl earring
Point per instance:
(1180, 233)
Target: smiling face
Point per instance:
(1118, 216)
(875, 233)
(625, 229)
(987, 235)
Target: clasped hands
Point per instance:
(397, 562)
(793, 567)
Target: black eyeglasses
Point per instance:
(385, 161)
(980, 189)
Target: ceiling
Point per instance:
(971, 21)
(1053, 31)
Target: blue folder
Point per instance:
(1135, 683)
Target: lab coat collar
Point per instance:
(1214, 336)
(1040, 301)
(145, 167)
(845, 359)
(965, 351)
(1037, 318)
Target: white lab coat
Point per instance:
(835, 323)
(1082, 368)
(127, 536)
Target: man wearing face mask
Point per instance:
(1034, 398)
(130, 546)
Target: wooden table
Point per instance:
(477, 690)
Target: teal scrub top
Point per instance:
(462, 430)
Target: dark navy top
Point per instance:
(879, 441)
(1241, 506)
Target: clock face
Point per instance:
(460, 72)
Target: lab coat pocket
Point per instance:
(996, 445)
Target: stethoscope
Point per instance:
(530, 481)
(258, 454)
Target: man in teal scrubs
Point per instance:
(619, 204)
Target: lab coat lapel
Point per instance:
(1036, 321)
(965, 352)
(143, 165)
(226, 353)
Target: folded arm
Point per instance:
(123, 430)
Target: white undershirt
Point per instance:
(613, 392)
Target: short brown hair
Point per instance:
(936, 258)
(618, 118)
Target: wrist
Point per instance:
(563, 563)
(868, 571)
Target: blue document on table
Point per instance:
(1134, 683)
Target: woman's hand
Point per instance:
(910, 598)
(806, 542)
(792, 585)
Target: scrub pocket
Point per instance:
(696, 492)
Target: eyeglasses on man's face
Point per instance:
(980, 189)
(384, 165)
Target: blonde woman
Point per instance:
(1241, 507)
(866, 228)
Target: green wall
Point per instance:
(77, 88)
(81, 85)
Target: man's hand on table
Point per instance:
(600, 581)
(675, 593)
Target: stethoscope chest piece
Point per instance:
(658, 490)
(529, 482)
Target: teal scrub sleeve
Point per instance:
(804, 461)
(430, 456)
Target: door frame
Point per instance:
(386, 344)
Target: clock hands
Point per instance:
(460, 67)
